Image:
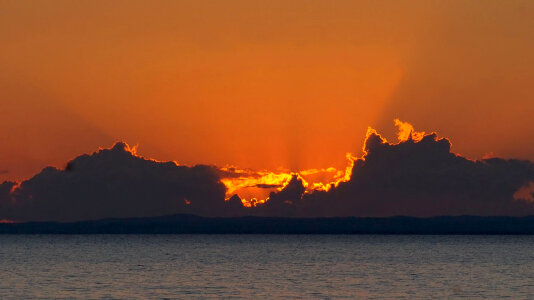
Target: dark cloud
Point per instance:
(267, 186)
(114, 183)
(416, 177)
(283, 203)
(422, 178)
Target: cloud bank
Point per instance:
(417, 176)
(421, 177)
(114, 183)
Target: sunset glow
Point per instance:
(263, 85)
(254, 187)
(263, 99)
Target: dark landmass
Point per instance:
(191, 224)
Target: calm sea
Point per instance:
(265, 266)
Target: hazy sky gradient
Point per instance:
(260, 84)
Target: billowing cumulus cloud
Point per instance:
(417, 176)
(421, 177)
(114, 183)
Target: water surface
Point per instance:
(265, 266)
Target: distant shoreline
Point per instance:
(190, 224)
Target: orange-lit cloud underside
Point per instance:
(254, 187)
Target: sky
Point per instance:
(264, 85)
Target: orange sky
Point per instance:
(260, 84)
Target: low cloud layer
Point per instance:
(114, 183)
(420, 178)
(417, 176)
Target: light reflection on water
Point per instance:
(265, 266)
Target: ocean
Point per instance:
(265, 266)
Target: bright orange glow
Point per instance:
(407, 132)
(254, 187)
(249, 184)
